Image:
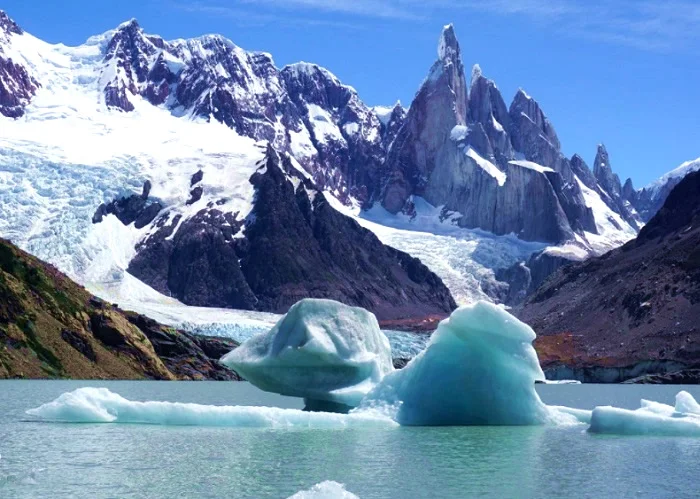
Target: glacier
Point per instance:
(321, 350)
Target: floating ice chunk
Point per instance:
(685, 403)
(99, 405)
(320, 350)
(479, 369)
(325, 490)
(652, 418)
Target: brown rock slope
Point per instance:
(632, 311)
(50, 327)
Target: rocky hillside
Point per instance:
(637, 307)
(51, 327)
(291, 245)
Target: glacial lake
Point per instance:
(39, 459)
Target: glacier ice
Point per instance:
(652, 418)
(479, 369)
(320, 350)
(100, 405)
(325, 490)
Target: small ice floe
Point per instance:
(325, 490)
(652, 418)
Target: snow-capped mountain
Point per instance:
(217, 178)
(195, 210)
(301, 109)
(500, 169)
(648, 200)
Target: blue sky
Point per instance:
(622, 72)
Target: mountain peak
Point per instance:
(448, 48)
(130, 25)
(522, 94)
(8, 25)
(602, 158)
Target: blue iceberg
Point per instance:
(321, 350)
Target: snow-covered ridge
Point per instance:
(677, 173)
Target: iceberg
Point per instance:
(652, 418)
(320, 350)
(325, 490)
(100, 405)
(479, 368)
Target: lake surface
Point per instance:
(40, 459)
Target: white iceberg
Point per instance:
(325, 490)
(320, 350)
(479, 368)
(652, 418)
(100, 405)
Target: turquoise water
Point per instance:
(123, 461)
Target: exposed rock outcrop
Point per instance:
(294, 245)
(136, 209)
(17, 86)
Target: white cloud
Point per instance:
(645, 24)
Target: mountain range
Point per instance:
(217, 179)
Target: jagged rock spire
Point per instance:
(448, 47)
(487, 107)
(440, 104)
(602, 170)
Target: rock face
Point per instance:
(501, 169)
(347, 162)
(611, 191)
(52, 328)
(293, 245)
(133, 208)
(17, 86)
(637, 304)
(391, 123)
(439, 106)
